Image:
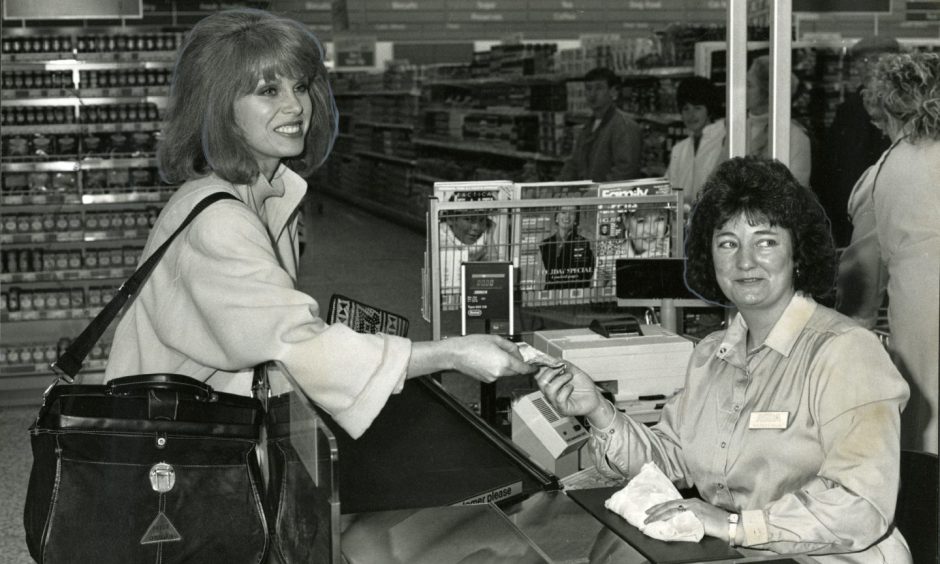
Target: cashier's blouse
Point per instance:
(796, 435)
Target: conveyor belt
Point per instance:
(426, 449)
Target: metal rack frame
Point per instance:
(437, 210)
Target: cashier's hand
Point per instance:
(569, 390)
(715, 519)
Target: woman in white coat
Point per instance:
(696, 156)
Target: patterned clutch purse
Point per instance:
(364, 318)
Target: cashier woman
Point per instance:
(788, 424)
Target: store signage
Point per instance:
(843, 6)
(923, 11)
(354, 51)
(71, 10)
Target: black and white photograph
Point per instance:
(469, 282)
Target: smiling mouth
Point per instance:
(289, 129)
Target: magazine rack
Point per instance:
(570, 280)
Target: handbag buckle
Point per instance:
(162, 477)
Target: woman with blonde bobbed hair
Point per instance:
(896, 238)
(250, 113)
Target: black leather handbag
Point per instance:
(155, 468)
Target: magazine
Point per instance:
(470, 235)
(554, 247)
(630, 230)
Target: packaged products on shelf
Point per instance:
(15, 146)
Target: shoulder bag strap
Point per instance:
(68, 365)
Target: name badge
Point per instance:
(769, 420)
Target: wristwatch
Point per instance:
(732, 527)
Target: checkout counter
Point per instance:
(432, 483)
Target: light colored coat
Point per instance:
(223, 299)
(906, 198)
(688, 168)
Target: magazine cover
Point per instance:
(554, 245)
(633, 230)
(470, 235)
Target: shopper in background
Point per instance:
(863, 277)
(696, 156)
(566, 254)
(758, 121)
(249, 111)
(789, 418)
(854, 141)
(609, 146)
(905, 196)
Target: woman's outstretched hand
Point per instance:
(483, 357)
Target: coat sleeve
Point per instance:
(623, 447)
(626, 145)
(233, 306)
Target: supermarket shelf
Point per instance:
(384, 157)
(72, 202)
(426, 178)
(42, 369)
(505, 79)
(40, 199)
(82, 128)
(387, 125)
(117, 273)
(408, 92)
(75, 236)
(90, 163)
(487, 148)
(47, 315)
(68, 97)
(72, 60)
(412, 221)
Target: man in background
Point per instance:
(854, 141)
(609, 146)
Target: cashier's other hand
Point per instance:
(486, 357)
(715, 519)
(569, 389)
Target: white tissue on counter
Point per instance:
(648, 488)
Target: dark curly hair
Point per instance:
(764, 190)
(700, 91)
